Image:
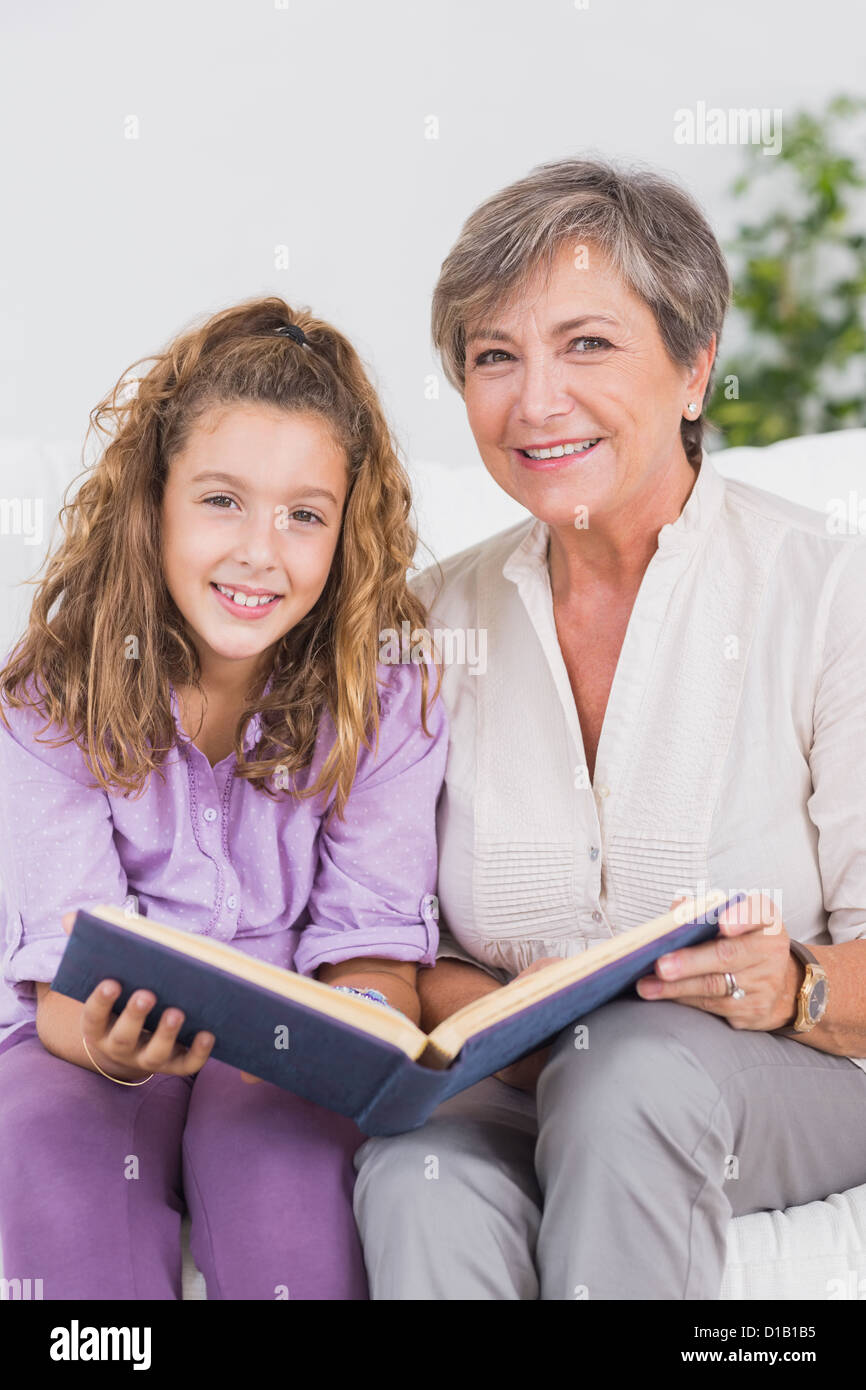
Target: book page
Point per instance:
(446, 1041)
(363, 1014)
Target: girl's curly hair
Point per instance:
(107, 574)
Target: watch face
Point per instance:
(817, 1000)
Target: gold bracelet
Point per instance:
(115, 1079)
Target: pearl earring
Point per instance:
(692, 406)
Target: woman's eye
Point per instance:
(485, 359)
(599, 341)
(480, 359)
(301, 511)
(220, 497)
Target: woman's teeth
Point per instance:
(247, 600)
(559, 450)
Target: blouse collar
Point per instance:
(253, 728)
(697, 516)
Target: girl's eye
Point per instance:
(481, 359)
(310, 517)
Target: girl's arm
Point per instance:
(396, 979)
(374, 884)
(59, 1026)
(119, 1047)
(117, 1043)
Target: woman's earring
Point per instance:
(692, 407)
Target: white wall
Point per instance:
(305, 126)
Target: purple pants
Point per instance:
(95, 1179)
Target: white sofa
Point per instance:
(817, 1251)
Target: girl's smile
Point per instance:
(253, 608)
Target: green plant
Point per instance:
(799, 272)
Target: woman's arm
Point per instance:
(753, 947)
(758, 956)
(451, 985)
(842, 1030)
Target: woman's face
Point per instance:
(536, 378)
(271, 522)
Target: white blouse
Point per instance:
(733, 749)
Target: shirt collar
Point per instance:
(253, 728)
(695, 519)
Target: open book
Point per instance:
(347, 1053)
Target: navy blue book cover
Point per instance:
(321, 1058)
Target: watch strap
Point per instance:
(806, 957)
(803, 953)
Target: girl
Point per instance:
(226, 573)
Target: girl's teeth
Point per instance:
(560, 449)
(246, 600)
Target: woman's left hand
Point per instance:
(753, 946)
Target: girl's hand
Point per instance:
(524, 1074)
(753, 946)
(123, 1048)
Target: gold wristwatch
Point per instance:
(812, 995)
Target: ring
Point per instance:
(734, 990)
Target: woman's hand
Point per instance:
(524, 1074)
(753, 946)
(119, 1044)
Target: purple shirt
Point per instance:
(207, 852)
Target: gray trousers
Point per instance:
(618, 1179)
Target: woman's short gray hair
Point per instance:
(652, 232)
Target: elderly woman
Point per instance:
(673, 702)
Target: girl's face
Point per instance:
(253, 502)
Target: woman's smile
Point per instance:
(557, 455)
